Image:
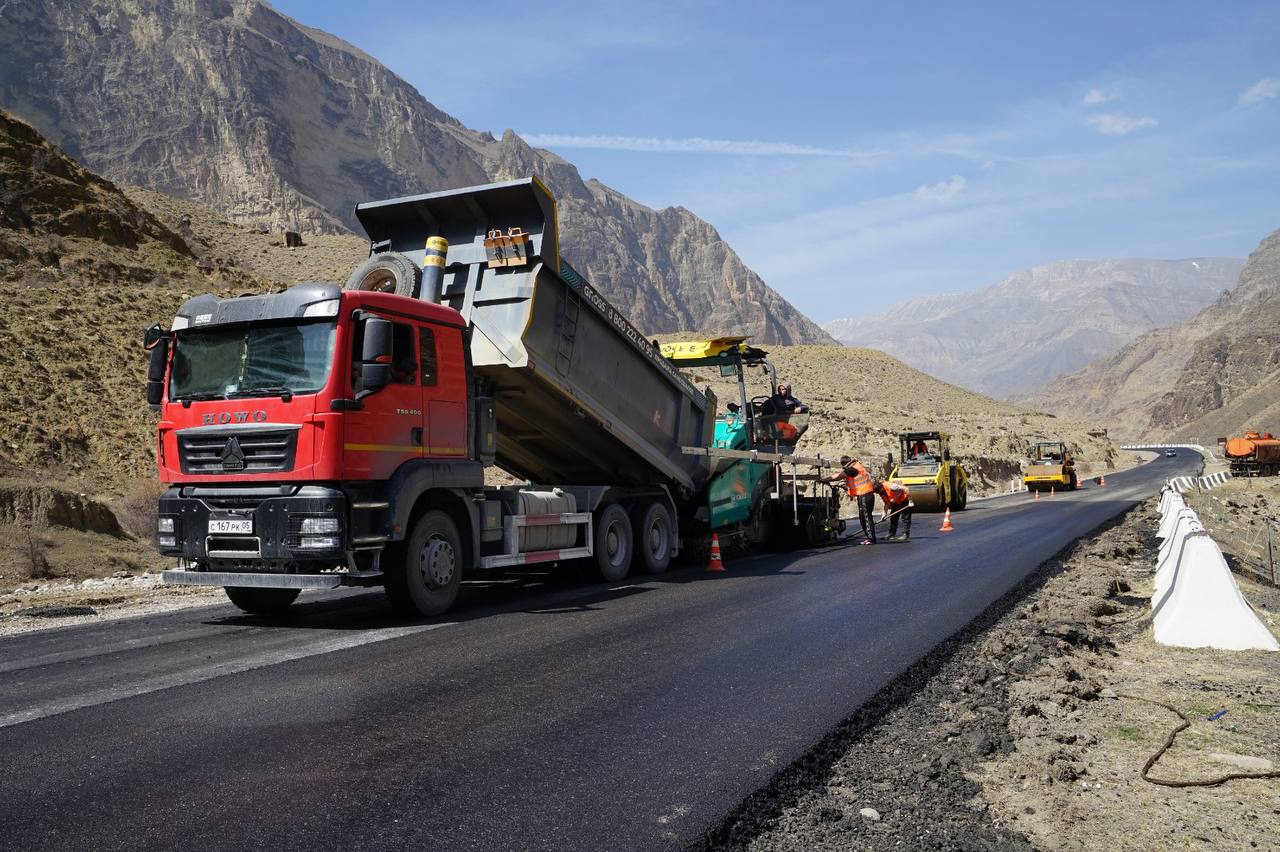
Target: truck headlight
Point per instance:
(318, 526)
(319, 542)
(164, 525)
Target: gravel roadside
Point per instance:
(1016, 733)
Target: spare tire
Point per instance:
(386, 272)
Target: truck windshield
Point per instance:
(218, 362)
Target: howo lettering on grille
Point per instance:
(234, 417)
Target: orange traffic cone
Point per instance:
(1037, 493)
(1102, 480)
(946, 522)
(1052, 489)
(715, 565)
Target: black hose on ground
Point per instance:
(1168, 743)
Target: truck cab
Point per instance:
(291, 424)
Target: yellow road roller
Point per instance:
(935, 480)
(1050, 465)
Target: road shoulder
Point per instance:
(1030, 728)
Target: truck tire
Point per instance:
(386, 272)
(426, 580)
(654, 535)
(261, 601)
(613, 544)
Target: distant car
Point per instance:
(1170, 453)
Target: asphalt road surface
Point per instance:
(541, 715)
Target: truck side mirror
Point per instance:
(374, 377)
(152, 336)
(155, 371)
(375, 356)
(377, 341)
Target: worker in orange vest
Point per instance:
(897, 504)
(861, 488)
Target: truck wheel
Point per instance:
(612, 545)
(262, 601)
(386, 272)
(426, 580)
(654, 535)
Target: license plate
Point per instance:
(230, 527)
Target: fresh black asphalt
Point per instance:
(540, 714)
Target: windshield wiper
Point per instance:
(198, 396)
(283, 392)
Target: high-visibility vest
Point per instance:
(858, 483)
(895, 494)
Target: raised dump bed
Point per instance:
(580, 396)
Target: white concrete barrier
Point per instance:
(1169, 497)
(1201, 605)
(1213, 480)
(1196, 602)
(1171, 551)
(1170, 522)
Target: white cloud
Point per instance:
(660, 145)
(1268, 88)
(1097, 96)
(1116, 124)
(943, 191)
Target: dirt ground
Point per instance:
(1237, 515)
(1030, 728)
(59, 603)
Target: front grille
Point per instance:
(228, 451)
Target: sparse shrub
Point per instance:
(35, 551)
(137, 507)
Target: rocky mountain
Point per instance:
(83, 269)
(275, 123)
(1210, 376)
(1040, 323)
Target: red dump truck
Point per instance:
(324, 436)
(1255, 454)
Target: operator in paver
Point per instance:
(857, 480)
(784, 404)
(897, 504)
(781, 406)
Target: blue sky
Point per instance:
(855, 154)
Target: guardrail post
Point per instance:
(1271, 561)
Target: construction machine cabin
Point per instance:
(936, 481)
(1050, 467)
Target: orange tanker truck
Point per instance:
(1256, 454)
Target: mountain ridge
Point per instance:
(1207, 377)
(1038, 323)
(278, 124)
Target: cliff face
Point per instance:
(1237, 366)
(1210, 376)
(1042, 322)
(278, 124)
